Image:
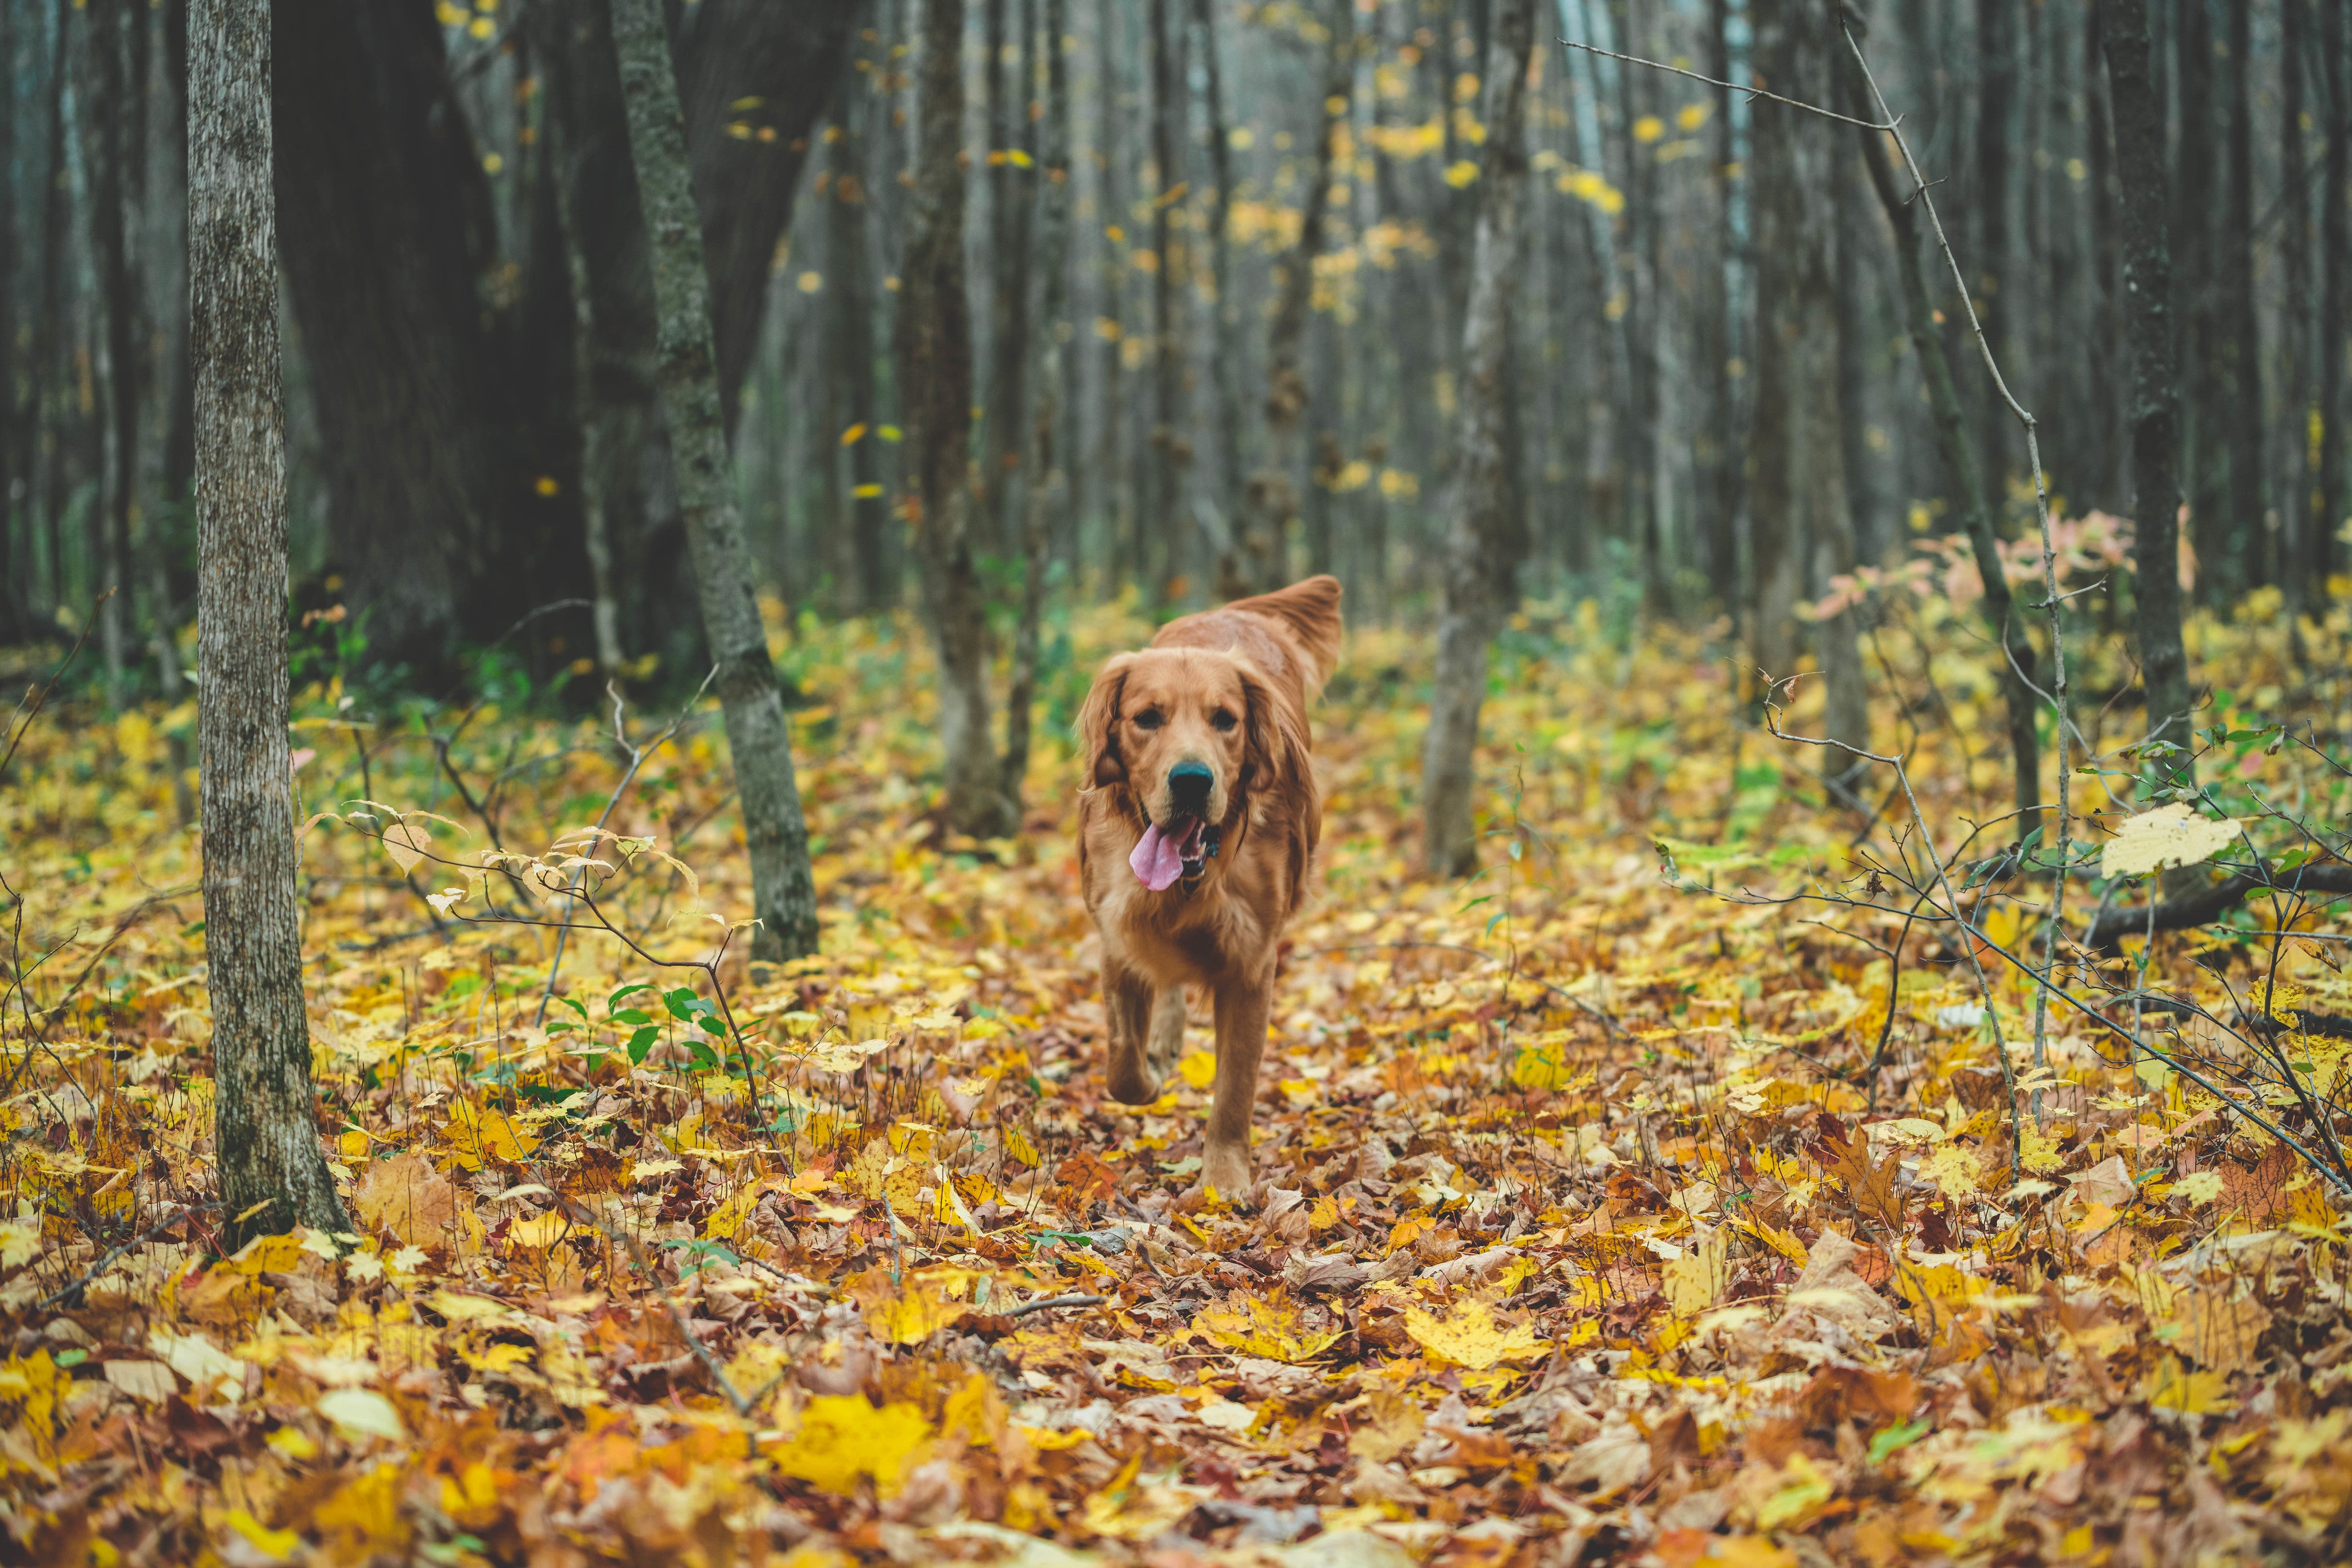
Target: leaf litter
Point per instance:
(1580, 1232)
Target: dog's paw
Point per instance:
(1224, 1172)
(1134, 1083)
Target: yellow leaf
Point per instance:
(1802, 1493)
(407, 843)
(1648, 129)
(866, 492)
(541, 1232)
(1267, 1329)
(728, 1217)
(275, 1544)
(842, 1439)
(1461, 173)
(2169, 835)
(2172, 1388)
(476, 1136)
(1198, 1069)
(853, 434)
(361, 1412)
(1694, 1280)
(1470, 1337)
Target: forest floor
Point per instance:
(1585, 1226)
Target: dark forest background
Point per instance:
(470, 331)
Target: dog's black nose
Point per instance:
(1188, 787)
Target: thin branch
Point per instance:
(1753, 92)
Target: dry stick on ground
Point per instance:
(36, 698)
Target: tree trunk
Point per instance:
(104, 108)
(2292, 477)
(1484, 538)
(1718, 469)
(2197, 411)
(758, 737)
(2147, 290)
(43, 430)
(1044, 481)
(2335, 290)
(1172, 449)
(1225, 334)
(1114, 497)
(852, 345)
(2238, 344)
(1274, 491)
(1640, 320)
(935, 369)
(1011, 187)
(595, 527)
(1997, 55)
(1957, 454)
(273, 1168)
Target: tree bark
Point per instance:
(1011, 187)
(1274, 491)
(935, 369)
(1172, 449)
(758, 737)
(2293, 478)
(1225, 332)
(2243, 559)
(1957, 455)
(273, 1168)
(1997, 49)
(1045, 480)
(852, 347)
(104, 133)
(2335, 290)
(2147, 293)
(1114, 497)
(2197, 411)
(1485, 537)
(43, 424)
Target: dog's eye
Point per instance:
(1220, 719)
(1148, 719)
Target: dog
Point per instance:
(1197, 828)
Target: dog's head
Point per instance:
(1191, 733)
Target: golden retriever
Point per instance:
(1197, 826)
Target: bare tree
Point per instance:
(2148, 288)
(1486, 537)
(1257, 564)
(758, 736)
(1044, 481)
(1957, 449)
(273, 1168)
(935, 369)
(1798, 498)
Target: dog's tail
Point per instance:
(1311, 609)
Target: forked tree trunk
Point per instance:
(1484, 537)
(1958, 452)
(782, 896)
(273, 1168)
(935, 372)
(1038, 524)
(1273, 493)
(2147, 293)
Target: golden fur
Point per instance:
(1227, 689)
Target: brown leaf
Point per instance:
(406, 1196)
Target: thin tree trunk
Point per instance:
(1997, 56)
(1640, 319)
(935, 369)
(587, 408)
(852, 345)
(2334, 289)
(1011, 188)
(1170, 449)
(758, 739)
(1274, 490)
(1114, 498)
(1717, 451)
(1484, 541)
(44, 429)
(2147, 290)
(273, 1168)
(2197, 411)
(104, 109)
(1044, 482)
(16, 523)
(1225, 336)
(2237, 344)
(1961, 472)
(2292, 479)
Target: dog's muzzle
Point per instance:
(1189, 784)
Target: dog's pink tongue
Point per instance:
(1157, 861)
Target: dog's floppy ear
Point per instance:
(1099, 721)
(1277, 753)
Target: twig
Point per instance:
(32, 703)
(1753, 92)
(106, 1259)
(1047, 1303)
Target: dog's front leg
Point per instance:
(1128, 997)
(1242, 1004)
